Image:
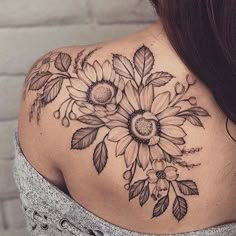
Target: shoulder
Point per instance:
(117, 99)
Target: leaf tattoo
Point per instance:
(100, 156)
(83, 138)
(180, 208)
(192, 114)
(144, 195)
(63, 62)
(187, 187)
(39, 80)
(136, 189)
(198, 111)
(90, 120)
(160, 206)
(122, 97)
(143, 61)
(194, 120)
(123, 66)
(51, 90)
(159, 79)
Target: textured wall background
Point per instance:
(28, 29)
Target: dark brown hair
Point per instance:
(203, 33)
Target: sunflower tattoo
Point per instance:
(146, 125)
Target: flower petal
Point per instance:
(99, 108)
(173, 131)
(117, 134)
(171, 173)
(178, 141)
(156, 152)
(152, 177)
(113, 100)
(160, 103)
(78, 100)
(162, 185)
(123, 112)
(98, 70)
(85, 110)
(169, 147)
(119, 96)
(118, 117)
(121, 84)
(105, 120)
(89, 106)
(154, 140)
(116, 80)
(167, 157)
(109, 113)
(170, 111)
(90, 72)
(78, 84)
(149, 116)
(154, 193)
(122, 145)
(124, 103)
(115, 123)
(132, 95)
(143, 155)
(111, 107)
(146, 97)
(113, 75)
(83, 77)
(100, 114)
(107, 69)
(158, 165)
(131, 153)
(172, 120)
(76, 94)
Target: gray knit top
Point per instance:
(49, 211)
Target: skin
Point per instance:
(47, 147)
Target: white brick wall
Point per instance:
(28, 29)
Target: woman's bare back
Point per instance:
(131, 134)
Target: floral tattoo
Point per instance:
(123, 97)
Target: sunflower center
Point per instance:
(101, 93)
(161, 174)
(144, 127)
